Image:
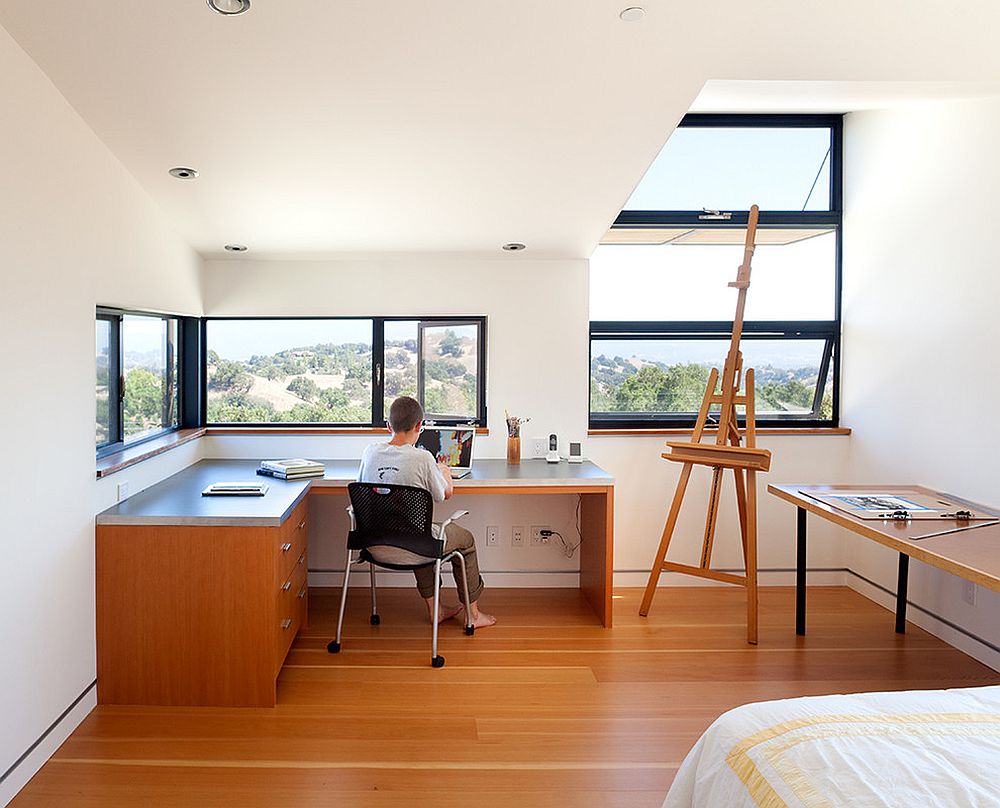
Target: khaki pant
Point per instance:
(456, 538)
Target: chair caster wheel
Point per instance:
(470, 630)
(333, 647)
(437, 662)
(374, 619)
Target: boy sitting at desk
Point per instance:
(400, 462)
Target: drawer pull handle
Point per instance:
(286, 585)
(302, 592)
(302, 558)
(286, 623)
(286, 547)
(302, 524)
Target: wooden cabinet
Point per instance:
(198, 615)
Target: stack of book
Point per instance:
(295, 469)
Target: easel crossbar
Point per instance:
(703, 572)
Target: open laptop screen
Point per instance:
(449, 445)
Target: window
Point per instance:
(660, 312)
(342, 371)
(137, 371)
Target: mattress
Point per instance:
(912, 748)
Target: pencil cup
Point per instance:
(513, 451)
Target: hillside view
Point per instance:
(619, 384)
(331, 382)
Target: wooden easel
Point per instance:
(725, 453)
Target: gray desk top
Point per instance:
(177, 500)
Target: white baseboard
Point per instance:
(24, 769)
(571, 578)
(928, 621)
(765, 577)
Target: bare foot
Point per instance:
(446, 612)
(482, 620)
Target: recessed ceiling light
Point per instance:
(229, 8)
(184, 173)
(513, 246)
(237, 247)
(632, 14)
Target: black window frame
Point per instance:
(116, 377)
(827, 330)
(378, 376)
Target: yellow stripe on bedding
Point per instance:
(829, 726)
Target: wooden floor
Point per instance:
(544, 709)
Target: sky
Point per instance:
(733, 168)
(241, 339)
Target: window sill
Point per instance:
(611, 433)
(299, 430)
(111, 463)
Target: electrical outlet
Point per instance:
(517, 536)
(969, 592)
(492, 535)
(123, 490)
(539, 446)
(536, 534)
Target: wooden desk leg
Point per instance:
(901, 583)
(800, 573)
(597, 526)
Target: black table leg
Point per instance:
(800, 572)
(904, 569)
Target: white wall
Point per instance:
(921, 292)
(75, 230)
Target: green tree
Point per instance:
(143, 408)
(304, 387)
(229, 376)
(240, 408)
(655, 388)
(450, 344)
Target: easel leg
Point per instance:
(741, 503)
(668, 530)
(751, 560)
(901, 585)
(711, 518)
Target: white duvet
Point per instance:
(910, 749)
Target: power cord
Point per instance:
(568, 549)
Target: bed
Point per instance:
(912, 748)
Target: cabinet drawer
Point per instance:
(289, 613)
(292, 543)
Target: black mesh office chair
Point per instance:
(391, 528)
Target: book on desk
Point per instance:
(294, 469)
(235, 489)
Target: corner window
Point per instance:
(137, 372)
(660, 311)
(342, 371)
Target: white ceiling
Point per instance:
(448, 126)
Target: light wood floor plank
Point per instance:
(545, 709)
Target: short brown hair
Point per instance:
(404, 414)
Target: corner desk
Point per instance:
(199, 598)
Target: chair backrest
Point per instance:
(383, 511)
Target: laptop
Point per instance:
(451, 445)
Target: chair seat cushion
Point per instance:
(395, 558)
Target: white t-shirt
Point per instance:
(402, 465)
